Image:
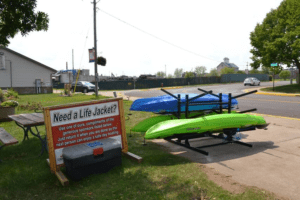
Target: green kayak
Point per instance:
(212, 123)
(144, 125)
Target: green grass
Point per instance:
(24, 175)
(294, 88)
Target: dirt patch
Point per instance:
(226, 182)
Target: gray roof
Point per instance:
(25, 57)
(231, 65)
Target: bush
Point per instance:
(31, 106)
(11, 94)
(2, 97)
(9, 103)
(285, 74)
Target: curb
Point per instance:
(272, 93)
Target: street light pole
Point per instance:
(95, 48)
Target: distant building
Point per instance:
(227, 64)
(147, 76)
(66, 76)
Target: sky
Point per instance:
(144, 37)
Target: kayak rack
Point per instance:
(228, 132)
(228, 140)
(220, 111)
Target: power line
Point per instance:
(154, 36)
(174, 45)
(89, 26)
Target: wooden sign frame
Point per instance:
(54, 167)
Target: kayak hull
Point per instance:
(213, 124)
(144, 125)
(168, 104)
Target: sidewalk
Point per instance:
(272, 164)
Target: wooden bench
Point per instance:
(6, 138)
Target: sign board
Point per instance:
(86, 122)
(274, 65)
(92, 55)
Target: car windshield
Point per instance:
(87, 83)
(248, 79)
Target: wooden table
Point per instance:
(26, 121)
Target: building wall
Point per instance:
(24, 72)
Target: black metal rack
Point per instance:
(229, 132)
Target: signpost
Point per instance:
(73, 124)
(274, 64)
(276, 70)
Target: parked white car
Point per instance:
(251, 81)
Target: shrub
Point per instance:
(2, 96)
(11, 94)
(31, 106)
(285, 74)
(9, 103)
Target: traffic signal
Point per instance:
(101, 61)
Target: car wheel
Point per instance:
(244, 84)
(259, 84)
(84, 90)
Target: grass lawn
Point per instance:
(24, 175)
(294, 88)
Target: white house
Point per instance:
(24, 74)
(227, 64)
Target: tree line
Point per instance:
(201, 71)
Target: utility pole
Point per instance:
(95, 48)
(66, 65)
(166, 70)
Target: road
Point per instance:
(265, 104)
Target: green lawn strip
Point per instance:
(161, 175)
(294, 88)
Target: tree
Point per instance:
(178, 72)
(240, 72)
(277, 38)
(274, 71)
(19, 16)
(170, 76)
(265, 70)
(214, 72)
(200, 70)
(254, 71)
(227, 70)
(284, 74)
(160, 74)
(189, 75)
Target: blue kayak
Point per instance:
(168, 104)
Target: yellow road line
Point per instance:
(298, 119)
(272, 93)
(271, 100)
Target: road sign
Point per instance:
(274, 65)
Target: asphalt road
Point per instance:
(265, 104)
